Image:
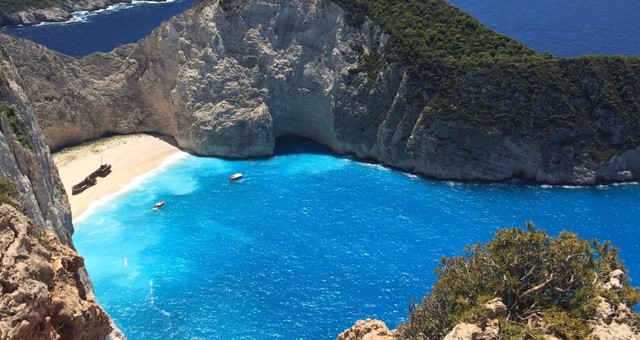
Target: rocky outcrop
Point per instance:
(61, 11)
(26, 161)
(367, 330)
(44, 291)
(488, 329)
(229, 82)
(614, 320)
(610, 322)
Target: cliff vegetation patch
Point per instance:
(8, 190)
(465, 71)
(548, 285)
(9, 111)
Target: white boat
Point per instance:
(158, 205)
(235, 177)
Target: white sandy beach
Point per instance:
(130, 156)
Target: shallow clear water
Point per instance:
(103, 30)
(564, 28)
(307, 243)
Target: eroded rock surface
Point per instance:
(45, 292)
(43, 287)
(367, 330)
(27, 162)
(229, 82)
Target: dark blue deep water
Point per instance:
(307, 243)
(564, 28)
(103, 30)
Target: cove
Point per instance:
(308, 242)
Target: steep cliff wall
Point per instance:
(26, 161)
(45, 292)
(228, 80)
(43, 286)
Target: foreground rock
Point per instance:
(44, 289)
(367, 330)
(610, 322)
(230, 81)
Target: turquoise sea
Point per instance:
(308, 242)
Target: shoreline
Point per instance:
(59, 14)
(132, 158)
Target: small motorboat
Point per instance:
(158, 205)
(235, 177)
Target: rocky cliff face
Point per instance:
(26, 161)
(610, 321)
(43, 286)
(45, 292)
(229, 80)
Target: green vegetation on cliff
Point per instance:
(432, 36)
(465, 71)
(558, 281)
(9, 111)
(7, 191)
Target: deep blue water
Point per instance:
(564, 28)
(103, 30)
(307, 243)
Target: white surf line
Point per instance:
(133, 184)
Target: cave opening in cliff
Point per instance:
(294, 144)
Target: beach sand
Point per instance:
(130, 156)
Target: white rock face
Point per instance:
(229, 83)
(367, 330)
(30, 166)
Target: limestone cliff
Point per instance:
(228, 80)
(43, 286)
(26, 161)
(45, 292)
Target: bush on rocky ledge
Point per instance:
(8, 191)
(549, 285)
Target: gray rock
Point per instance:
(30, 166)
(231, 83)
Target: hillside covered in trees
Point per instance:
(469, 72)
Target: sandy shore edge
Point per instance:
(130, 156)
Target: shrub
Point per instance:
(8, 191)
(14, 123)
(555, 279)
